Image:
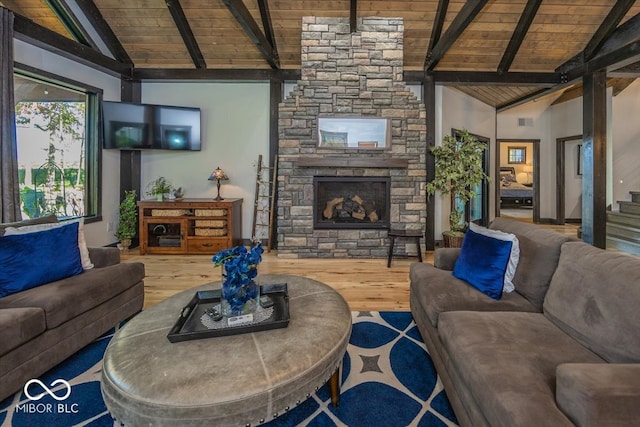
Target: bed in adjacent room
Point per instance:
(514, 194)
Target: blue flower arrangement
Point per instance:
(239, 269)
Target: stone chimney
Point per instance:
(349, 75)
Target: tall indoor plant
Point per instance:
(127, 221)
(459, 170)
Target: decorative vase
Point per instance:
(124, 244)
(160, 197)
(240, 293)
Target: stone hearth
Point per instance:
(349, 75)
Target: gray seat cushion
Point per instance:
(515, 355)
(438, 291)
(539, 253)
(19, 325)
(594, 298)
(67, 298)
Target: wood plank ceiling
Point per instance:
(476, 46)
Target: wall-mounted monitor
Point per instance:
(130, 126)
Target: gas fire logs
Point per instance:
(353, 207)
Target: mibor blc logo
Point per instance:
(57, 393)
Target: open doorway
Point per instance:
(569, 180)
(518, 179)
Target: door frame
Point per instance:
(560, 178)
(536, 174)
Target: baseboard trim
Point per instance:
(547, 221)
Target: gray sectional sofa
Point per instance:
(42, 326)
(562, 350)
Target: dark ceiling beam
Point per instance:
(353, 16)
(623, 56)
(436, 30)
(620, 50)
(632, 70)
(246, 21)
(93, 14)
(215, 74)
(624, 34)
(608, 26)
(267, 24)
(37, 35)
(487, 78)
(529, 12)
(462, 20)
(530, 97)
(71, 22)
(185, 31)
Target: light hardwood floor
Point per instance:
(366, 284)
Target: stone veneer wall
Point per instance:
(345, 74)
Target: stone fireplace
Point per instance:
(357, 75)
(351, 202)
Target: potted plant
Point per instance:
(127, 222)
(159, 187)
(458, 163)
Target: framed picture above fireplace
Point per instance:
(364, 133)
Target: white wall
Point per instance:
(456, 110)
(626, 143)
(235, 130)
(566, 121)
(96, 233)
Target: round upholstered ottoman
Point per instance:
(233, 380)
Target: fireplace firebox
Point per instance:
(351, 202)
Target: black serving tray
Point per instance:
(189, 327)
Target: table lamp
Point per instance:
(528, 169)
(218, 175)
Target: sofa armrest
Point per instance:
(445, 258)
(594, 394)
(104, 256)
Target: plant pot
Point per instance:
(452, 240)
(160, 197)
(124, 244)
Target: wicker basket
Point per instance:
(452, 241)
(211, 212)
(169, 212)
(215, 223)
(211, 232)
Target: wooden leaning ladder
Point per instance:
(264, 204)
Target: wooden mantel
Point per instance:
(351, 162)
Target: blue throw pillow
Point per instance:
(30, 260)
(483, 262)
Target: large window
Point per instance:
(58, 149)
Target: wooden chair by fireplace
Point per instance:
(416, 234)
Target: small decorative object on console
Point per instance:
(159, 187)
(240, 292)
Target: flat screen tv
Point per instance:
(129, 126)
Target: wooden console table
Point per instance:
(189, 226)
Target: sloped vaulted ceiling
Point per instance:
(499, 51)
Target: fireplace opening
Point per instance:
(351, 202)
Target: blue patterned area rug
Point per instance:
(388, 379)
